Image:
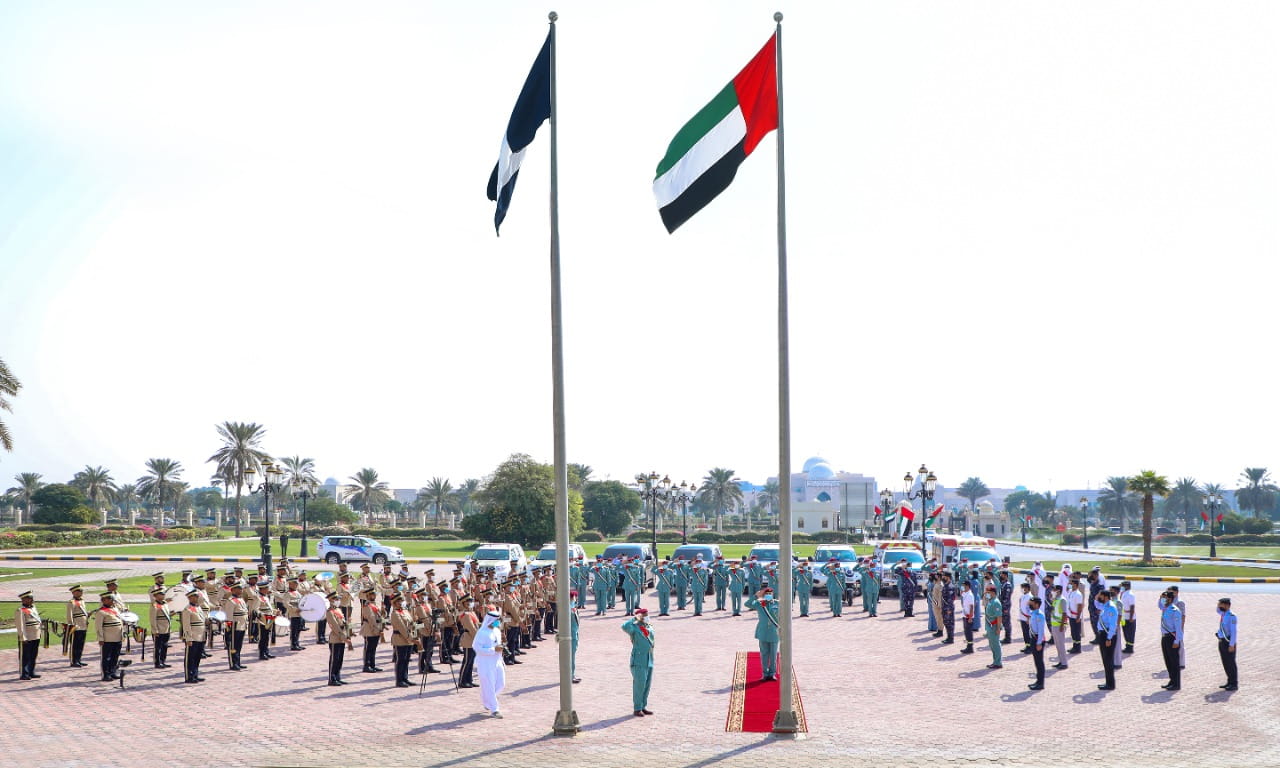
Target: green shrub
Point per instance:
(832, 537)
(17, 539)
(664, 537)
(591, 536)
(1156, 562)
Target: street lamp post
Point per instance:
(928, 485)
(1084, 521)
(303, 490)
(886, 500)
(655, 490)
(271, 481)
(1022, 511)
(682, 497)
(1211, 503)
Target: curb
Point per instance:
(193, 559)
(1121, 553)
(1185, 579)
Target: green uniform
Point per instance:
(994, 611)
(600, 585)
(766, 634)
(870, 588)
(663, 583)
(802, 578)
(612, 595)
(737, 585)
(720, 582)
(630, 573)
(699, 586)
(682, 584)
(641, 663)
(835, 587)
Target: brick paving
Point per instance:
(880, 690)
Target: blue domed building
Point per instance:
(826, 499)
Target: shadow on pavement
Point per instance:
(1218, 697)
(599, 724)
(975, 673)
(1014, 698)
(1161, 697)
(731, 753)
(1095, 697)
(477, 755)
(532, 688)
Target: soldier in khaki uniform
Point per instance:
(365, 581)
(448, 621)
(265, 620)
(109, 628)
(161, 627)
(120, 605)
(191, 625)
(202, 599)
(386, 587)
(27, 622)
(512, 620)
(339, 637)
(468, 624)
(372, 624)
(429, 634)
(159, 580)
(346, 594)
(404, 638)
(237, 610)
(292, 600)
(78, 621)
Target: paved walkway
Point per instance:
(868, 686)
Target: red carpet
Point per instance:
(753, 702)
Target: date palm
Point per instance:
(298, 470)
(161, 476)
(464, 493)
(720, 491)
(97, 485)
(240, 452)
(439, 494)
(1259, 492)
(9, 386)
(1116, 500)
(28, 484)
(1148, 485)
(126, 496)
(1185, 498)
(767, 499)
(972, 489)
(366, 492)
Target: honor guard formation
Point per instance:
(483, 623)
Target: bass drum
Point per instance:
(312, 607)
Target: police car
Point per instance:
(498, 558)
(348, 549)
(889, 553)
(546, 556)
(847, 558)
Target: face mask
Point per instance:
(1222, 611)
(1163, 602)
(446, 590)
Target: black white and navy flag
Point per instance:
(533, 108)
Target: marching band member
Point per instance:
(202, 599)
(573, 638)
(161, 626)
(365, 582)
(159, 579)
(512, 618)
(292, 598)
(737, 586)
(421, 610)
(237, 610)
(448, 621)
(109, 628)
(78, 624)
(468, 625)
(404, 638)
(766, 610)
(386, 582)
(120, 604)
(191, 625)
(339, 637)
(27, 622)
(663, 583)
(372, 623)
(266, 620)
(345, 593)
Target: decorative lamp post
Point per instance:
(303, 490)
(928, 485)
(886, 501)
(655, 490)
(1084, 520)
(1211, 503)
(272, 480)
(1022, 511)
(682, 497)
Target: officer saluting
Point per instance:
(766, 610)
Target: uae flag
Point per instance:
(906, 516)
(1205, 516)
(880, 512)
(533, 108)
(928, 521)
(704, 156)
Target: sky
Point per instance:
(1034, 243)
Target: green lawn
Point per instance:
(1187, 569)
(20, 573)
(1251, 552)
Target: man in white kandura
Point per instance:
(488, 650)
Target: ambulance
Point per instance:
(889, 553)
(952, 549)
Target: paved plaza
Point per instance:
(881, 690)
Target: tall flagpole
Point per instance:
(785, 721)
(566, 723)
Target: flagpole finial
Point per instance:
(552, 17)
(777, 16)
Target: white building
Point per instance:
(823, 499)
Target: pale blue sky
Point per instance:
(1031, 243)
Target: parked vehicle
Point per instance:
(498, 558)
(349, 549)
(975, 549)
(547, 555)
(632, 550)
(690, 552)
(847, 558)
(890, 553)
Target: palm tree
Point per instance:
(9, 386)
(1185, 497)
(298, 472)
(97, 485)
(469, 488)
(1116, 500)
(720, 490)
(1259, 493)
(28, 484)
(768, 498)
(125, 497)
(439, 494)
(579, 475)
(240, 452)
(366, 492)
(1148, 485)
(162, 473)
(971, 489)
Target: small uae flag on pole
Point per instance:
(906, 515)
(928, 522)
(705, 154)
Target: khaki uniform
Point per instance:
(161, 619)
(108, 626)
(77, 616)
(120, 605)
(27, 621)
(346, 597)
(192, 623)
(339, 627)
(237, 610)
(403, 631)
(372, 620)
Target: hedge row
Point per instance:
(1239, 539)
(746, 537)
(58, 535)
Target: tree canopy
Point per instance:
(58, 503)
(609, 506)
(518, 505)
